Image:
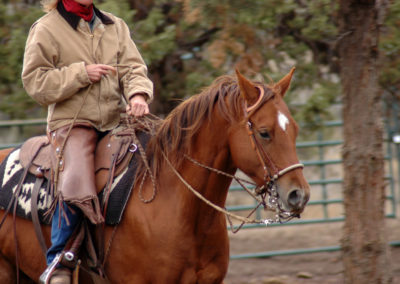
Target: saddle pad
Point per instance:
(11, 172)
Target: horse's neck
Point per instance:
(211, 185)
(210, 148)
(174, 198)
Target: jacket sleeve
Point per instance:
(132, 71)
(42, 80)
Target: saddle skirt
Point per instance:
(37, 154)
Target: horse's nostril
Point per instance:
(295, 198)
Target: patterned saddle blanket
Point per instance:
(11, 172)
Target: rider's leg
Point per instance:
(76, 182)
(61, 231)
(76, 186)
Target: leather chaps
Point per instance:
(76, 177)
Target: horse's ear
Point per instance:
(284, 84)
(247, 89)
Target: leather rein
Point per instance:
(271, 175)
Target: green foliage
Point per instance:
(156, 36)
(267, 37)
(15, 20)
(390, 50)
(196, 81)
(188, 43)
(318, 104)
(320, 25)
(119, 8)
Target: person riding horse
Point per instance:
(80, 62)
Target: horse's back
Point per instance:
(4, 153)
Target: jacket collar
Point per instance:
(73, 19)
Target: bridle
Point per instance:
(271, 175)
(271, 172)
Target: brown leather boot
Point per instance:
(61, 276)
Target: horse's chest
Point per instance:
(202, 263)
(212, 273)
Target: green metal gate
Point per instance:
(321, 155)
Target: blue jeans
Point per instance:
(60, 234)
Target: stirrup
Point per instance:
(66, 259)
(45, 277)
(61, 276)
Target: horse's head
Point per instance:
(263, 146)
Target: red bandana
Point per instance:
(79, 10)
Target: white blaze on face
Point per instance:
(283, 120)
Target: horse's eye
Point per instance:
(264, 134)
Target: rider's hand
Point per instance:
(137, 105)
(96, 71)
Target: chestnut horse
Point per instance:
(177, 237)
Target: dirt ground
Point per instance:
(312, 268)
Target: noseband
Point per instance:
(271, 172)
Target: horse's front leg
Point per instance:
(7, 271)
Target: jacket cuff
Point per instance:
(83, 76)
(146, 95)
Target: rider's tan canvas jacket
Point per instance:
(59, 46)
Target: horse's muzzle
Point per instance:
(297, 200)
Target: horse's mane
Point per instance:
(174, 134)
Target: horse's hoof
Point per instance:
(61, 276)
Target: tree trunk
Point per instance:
(364, 244)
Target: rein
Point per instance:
(205, 200)
(272, 204)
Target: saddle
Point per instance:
(112, 156)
